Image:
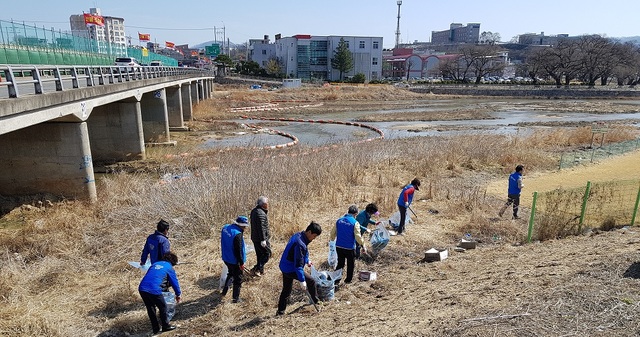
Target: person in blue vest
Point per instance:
(234, 254)
(346, 232)
(513, 194)
(157, 244)
(404, 201)
(158, 278)
(294, 257)
(364, 219)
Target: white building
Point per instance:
(309, 57)
(110, 38)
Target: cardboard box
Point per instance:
(435, 254)
(366, 275)
(466, 244)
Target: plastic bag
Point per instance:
(143, 268)
(379, 238)
(333, 255)
(394, 220)
(325, 282)
(170, 300)
(223, 275)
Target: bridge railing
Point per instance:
(31, 79)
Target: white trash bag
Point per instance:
(333, 255)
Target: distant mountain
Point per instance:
(632, 39)
(208, 43)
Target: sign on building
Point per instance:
(213, 50)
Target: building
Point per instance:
(309, 57)
(541, 39)
(457, 33)
(110, 38)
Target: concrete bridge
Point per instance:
(55, 122)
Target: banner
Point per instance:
(93, 19)
(144, 37)
(169, 44)
(145, 52)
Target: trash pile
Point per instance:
(325, 282)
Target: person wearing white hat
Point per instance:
(234, 254)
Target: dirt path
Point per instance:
(625, 167)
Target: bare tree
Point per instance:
(454, 68)
(596, 57)
(482, 60)
(489, 38)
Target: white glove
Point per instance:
(263, 244)
(406, 205)
(303, 285)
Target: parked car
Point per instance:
(129, 62)
(155, 64)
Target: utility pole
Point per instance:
(398, 27)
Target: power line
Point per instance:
(210, 28)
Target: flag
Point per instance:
(93, 19)
(169, 44)
(144, 37)
(194, 53)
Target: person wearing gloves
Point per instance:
(260, 235)
(513, 194)
(294, 257)
(364, 219)
(404, 201)
(346, 232)
(157, 244)
(158, 278)
(234, 254)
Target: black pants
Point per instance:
(262, 255)
(350, 256)
(403, 218)
(515, 200)
(235, 273)
(152, 301)
(287, 285)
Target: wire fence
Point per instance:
(24, 44)
(597, 153)
(603, 205)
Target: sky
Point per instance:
(193, 22)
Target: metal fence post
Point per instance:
(532, 216)
(635, 208)
(584, 205)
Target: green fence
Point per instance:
(24, 44)
(603, 205)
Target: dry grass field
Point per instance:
(64, 270)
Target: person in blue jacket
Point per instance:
(234, 254)
(292, 262)
(157, 244)
(346, 232)
(158, 278)
(364, 219)
(513, 194)
(404, 201)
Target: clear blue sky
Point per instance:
(192, 22)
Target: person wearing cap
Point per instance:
(364, 219)
(294, 257)
(404, 201)
(157, 280)
(157, 244)
(260, 234)
(234, 254)
(346, 232)
(513, 194)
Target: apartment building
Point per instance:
(457, 33)
(110, 38)
(309, 57)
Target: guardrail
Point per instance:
(59, 78)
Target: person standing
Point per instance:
(260, 234)
(364, 219)
(157, 244)
(294, 257)
(346, 232)
(513, 194)
(158, 278)
(234, 254)
(404, 201)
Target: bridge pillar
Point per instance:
(194, 92)
(49, 157)
(200, 90)
(174, 109)
(155, 117)
(116, 132)
(187, 108)
(207, 89)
